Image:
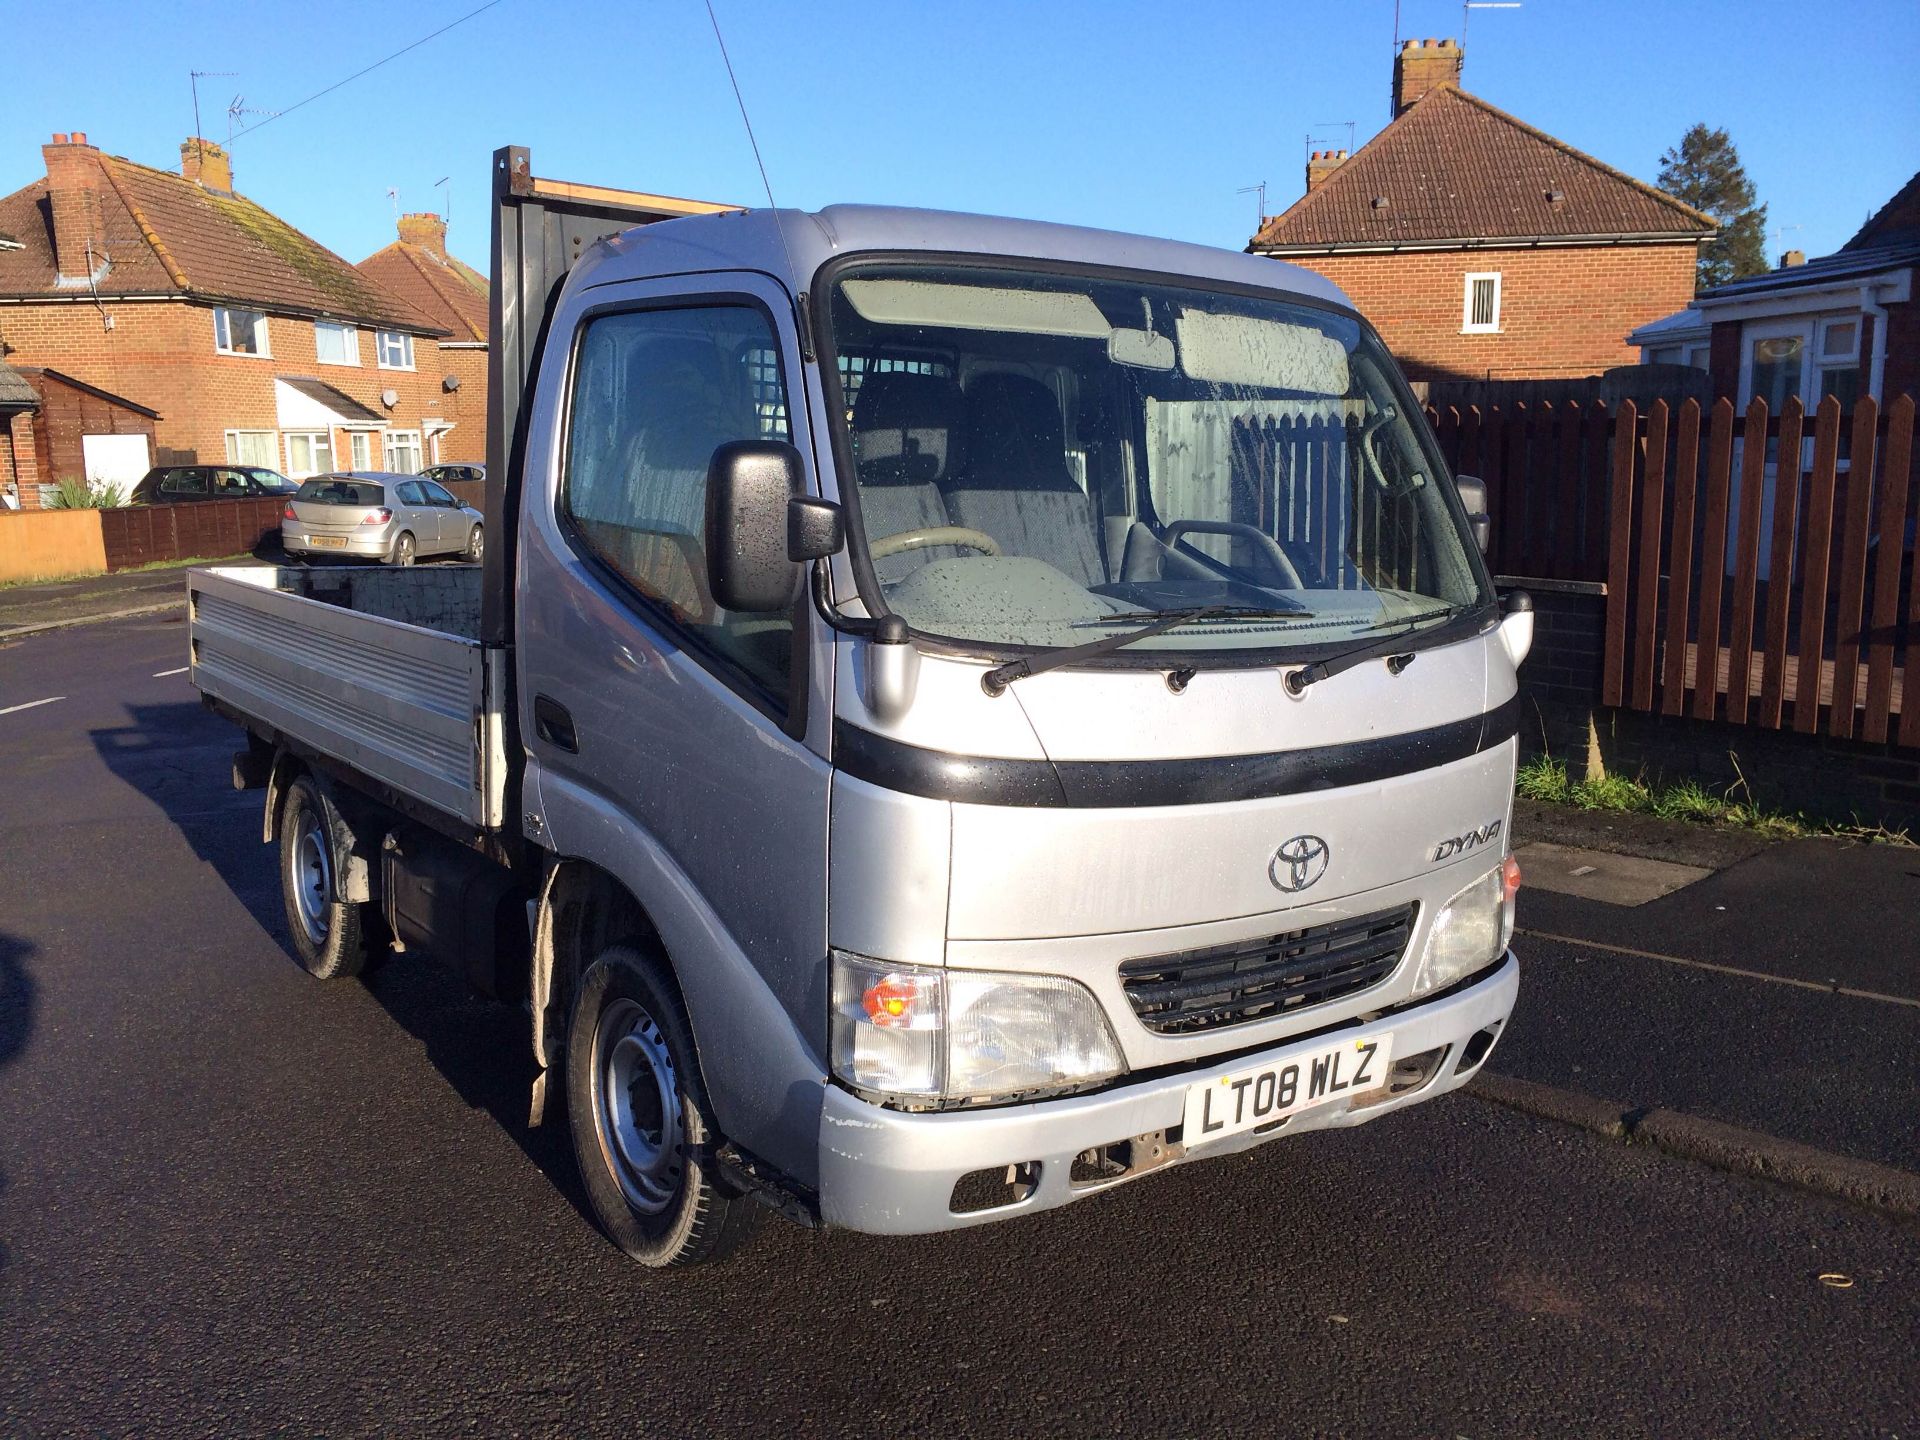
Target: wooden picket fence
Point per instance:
(1696, 624)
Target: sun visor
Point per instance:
(1271, 354)
(976, 307)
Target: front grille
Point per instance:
(1259, 979)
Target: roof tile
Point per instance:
(452, 295)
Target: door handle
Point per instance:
(553, 724)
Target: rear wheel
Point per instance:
(641, 1121)
(476, 545)
(404, 549)
(328, 937)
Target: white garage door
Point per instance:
(115, 460)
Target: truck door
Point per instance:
(661, 729)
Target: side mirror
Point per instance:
(1473, 494)
(751, 485)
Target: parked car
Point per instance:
(455, 474)
(378, 516)
(173, 484)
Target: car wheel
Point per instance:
(641, 1121)
(476, 545)
(328, 937)
(403, 549)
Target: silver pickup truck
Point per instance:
(959, 714)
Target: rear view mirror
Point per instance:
(1142, 349)
(751, 485)
(1473, 494)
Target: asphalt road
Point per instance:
(234, 1200)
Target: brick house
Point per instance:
(1842, 324)
(17, 405)
(453, 295)
(251, 341)
(1480, 247)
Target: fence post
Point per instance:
(1746, 560)
(1895, 476)
(1653, 494)
(1686, 471)
(1853, 570)
(1713, 562)
(1819, 563)
(1786, 513)
(1626, 430)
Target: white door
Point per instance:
(1776, 365)
(117, 460)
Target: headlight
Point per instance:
(917, 1033)
(1472, 930)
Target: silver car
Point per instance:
(373, 515)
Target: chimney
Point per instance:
(207, 165)
(428, 230)
(1424, 65)
(74, 183)
(1320, 167)
(1792, 258)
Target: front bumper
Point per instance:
(299, 540)
(889, 1172)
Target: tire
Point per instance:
(404, 549)
(476, 545)
(329, 939)
(632, 1137)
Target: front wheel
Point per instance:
(641, 1121)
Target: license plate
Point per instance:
(1247, 1099)
(327, 542)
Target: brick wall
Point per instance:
(1562, 311)
(1561, 714)
(161, 354)
(18, 466)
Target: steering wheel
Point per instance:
(961, 535)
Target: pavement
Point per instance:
(29, 609)
(236, 1200)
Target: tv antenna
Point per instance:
(237, 110)
(1261, 191)
(1471, 5)
(194, 77)
(446, 206)
(393, 198)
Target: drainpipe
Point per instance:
(1877, 363)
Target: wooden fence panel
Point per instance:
(1786, 513)
(1853, 570)
(1746, 560)
(1626, 427)
(1896, 472)
(1595, 429)
(1713, 560)
(1653, 494)
(1686, 471)
(1818, 561)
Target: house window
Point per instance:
(360, 447)
(253, 447)
(403, 451)
(1838, 360)
(395, 348)
(240, 332)
(336, 344)
(309, 452)
(1480, 310)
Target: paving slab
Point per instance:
(1602, 875)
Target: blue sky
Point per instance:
(1130, 115)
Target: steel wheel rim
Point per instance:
(636, 1107)
(310, 876)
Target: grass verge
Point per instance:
(186, 564)
(1545, 779)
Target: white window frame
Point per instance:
(223, 333)
(352, 335)
(234, 457)
(323, 436)
(359, 450)
(407, 440)
(381, 339)
(1467, 327)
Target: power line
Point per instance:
(369, 69)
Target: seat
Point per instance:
(906, 428)
(1016, 485)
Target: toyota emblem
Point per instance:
(1299, 863)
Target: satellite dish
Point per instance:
(450, 384)
(389, 398)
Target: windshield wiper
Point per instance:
(1222, 612)
(1299, 680)
(996, 680)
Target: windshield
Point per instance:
(1041, 458)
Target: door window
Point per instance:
(309, 452)
(435, 495)
(409, 493)
(360, 448)
(185, 481)
(403, 451)
(655, 393)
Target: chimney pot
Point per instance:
(79, 137)
(59, 137)
(1793, 257)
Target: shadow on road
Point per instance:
(17, 998)
(177, 756)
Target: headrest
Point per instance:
(1015, 438)
(905, 427)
